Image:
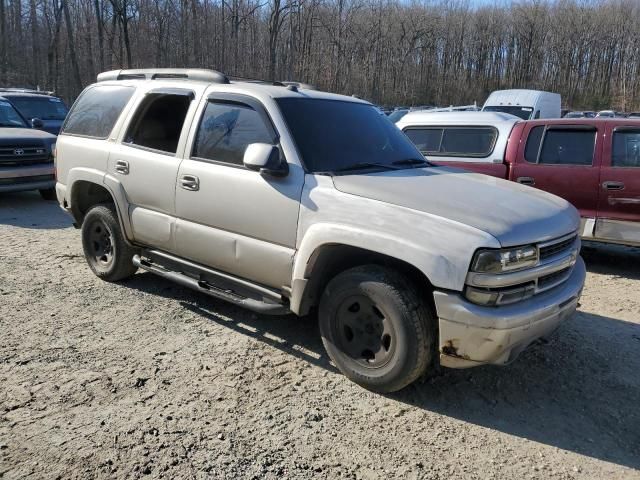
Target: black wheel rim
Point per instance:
(101, 244)
(364, 331)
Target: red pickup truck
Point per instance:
(593, 163)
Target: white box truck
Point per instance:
(526, 104)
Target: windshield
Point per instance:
(335, 135)
(9, 117)
(522, 112)
(44, 108)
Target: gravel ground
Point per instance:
(148, 378)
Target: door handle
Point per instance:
(613, 185)
(122, 167)
(190, 182)
(526, 180)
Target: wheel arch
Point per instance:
(89, 187)
(330, 259)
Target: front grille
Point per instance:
(16, 155)
(554, 249)
(548, 281)
(19, 180)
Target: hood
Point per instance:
(13, 134)
(512, 213)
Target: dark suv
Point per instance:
(26, 155)
(41, 109)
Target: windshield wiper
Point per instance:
(412, 161)
(361, 165)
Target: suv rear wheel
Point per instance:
(376, 328)
(105, 249)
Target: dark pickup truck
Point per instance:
(26, 155)
(592, 163)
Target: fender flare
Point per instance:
(111, 184)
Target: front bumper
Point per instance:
(32, 177)
(472, 335)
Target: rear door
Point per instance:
(146, 159)
(619, 202)
(564, 160)
(476, 148)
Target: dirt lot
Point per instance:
(148, 378)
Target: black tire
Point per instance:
(376, 328)
(105, 249)
(48, 193)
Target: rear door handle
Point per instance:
(613, 185)
(122, 167)
(526, 180)
(190, 182)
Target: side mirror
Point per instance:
(265, 158)
(37, 123)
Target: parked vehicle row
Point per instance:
(283, 200)
(592, 163)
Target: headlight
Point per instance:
(505, 260)
(492, 298)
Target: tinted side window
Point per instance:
(568, 147)
(533, 144)
(158, 122)
(470, 142)
(96, 111)
(225, 131)
(426, 139)
(626, 149)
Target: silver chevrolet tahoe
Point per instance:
(284, 199)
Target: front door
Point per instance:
(619, 205)
(228, 217)
(563, 160)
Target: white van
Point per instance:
(526, 104)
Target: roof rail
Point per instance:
(199, 74)
(26, 90)
(257, 80)
(305, 86)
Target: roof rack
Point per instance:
(276, 83)
(199, 74)
(26, 90)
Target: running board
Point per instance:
(211, 282)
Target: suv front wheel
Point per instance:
(376, 328)
(105, 249)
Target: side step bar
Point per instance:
(213, 283)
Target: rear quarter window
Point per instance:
(96, 111)
(454, 141)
